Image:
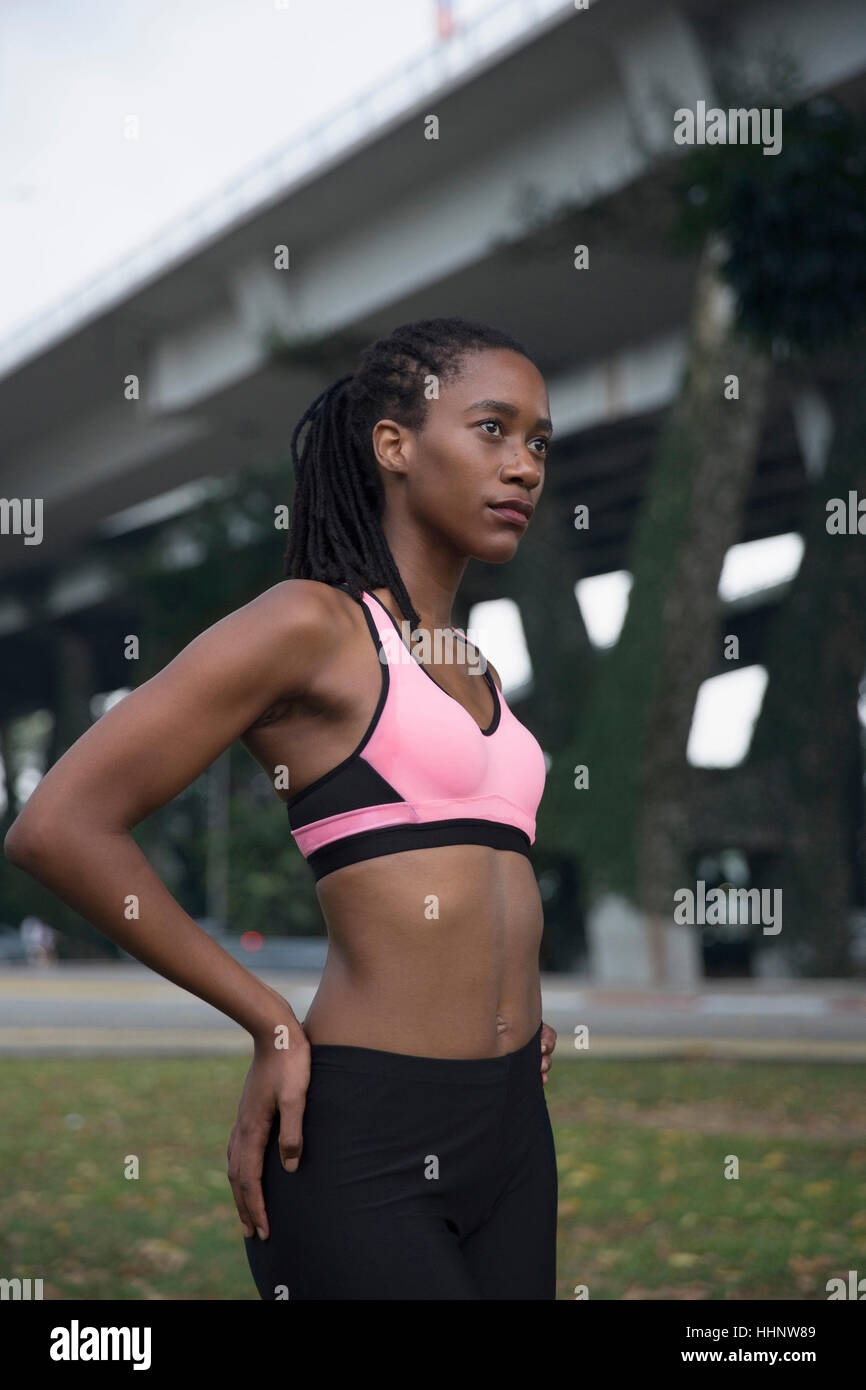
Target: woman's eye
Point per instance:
(540, 440)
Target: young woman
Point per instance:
(396, 1144)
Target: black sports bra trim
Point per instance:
(341, 766)
(393, 839)
(497, 707)
(368, 733)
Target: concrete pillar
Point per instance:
(624, 948)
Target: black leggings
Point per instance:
(419, 1178)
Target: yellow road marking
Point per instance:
(117, 1039)
(28, 988)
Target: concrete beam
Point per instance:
(634, 382)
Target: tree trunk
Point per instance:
(10, 774)
(714, 441)
(73, 687)
(541, 580)
(807, 731)
(630, 827)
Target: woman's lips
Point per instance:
(507, 514)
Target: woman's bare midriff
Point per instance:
(431, 952)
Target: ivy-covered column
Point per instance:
(807, 731)
(621, 785)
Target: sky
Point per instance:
(214, 84)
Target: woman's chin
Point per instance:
(497, 553)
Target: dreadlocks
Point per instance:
(336, 533)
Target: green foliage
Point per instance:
(795, 224)
(172, 839)
(235, 554)
(600, 824)
(271, 889)
(794, 229)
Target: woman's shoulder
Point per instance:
(303, 604)
(307, 613)
(304, 626)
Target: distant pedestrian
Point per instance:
(39, 941)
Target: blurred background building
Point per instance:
(524, 171)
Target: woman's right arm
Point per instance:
(73, 832)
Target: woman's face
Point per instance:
(485, 442)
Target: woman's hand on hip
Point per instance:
(548, 1043)
(276, 1082)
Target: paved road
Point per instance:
(125, 1009)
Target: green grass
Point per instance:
(645, 1208)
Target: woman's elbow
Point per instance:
(26, 841)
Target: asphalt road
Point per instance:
(126, 1009)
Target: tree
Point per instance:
(782, 277)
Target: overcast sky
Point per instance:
(214, 84)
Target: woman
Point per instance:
(396, 1145)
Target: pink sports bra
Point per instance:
(424, 774)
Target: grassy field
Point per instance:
(646, 1211)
